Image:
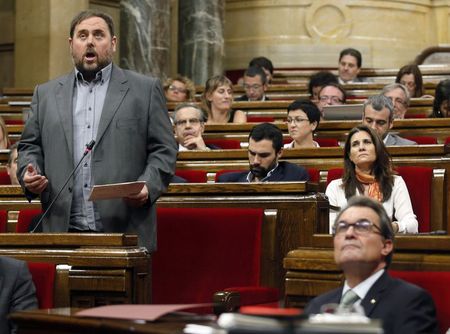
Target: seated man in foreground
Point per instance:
(265, 147)
(17, 291)
(363, 249)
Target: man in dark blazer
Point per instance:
(265, 147)
(363, 248)
(124, 112)
(255, 85)
(17, 291)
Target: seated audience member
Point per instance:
(302, 120)
(189, 122)
(350, 62)
(255, 85)
(368, 171)
(17, 291)
(441, 99)
(317, 81)
(11, 166)
(400, 98)
(4, 139)
(331, 94)
(411, 77)
(265, 64)
(179, 89)
(265, 148)
(217, 99)
(363, 249)
(378, 114)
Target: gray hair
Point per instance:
(391, 87)
(201, 114)
(378, 103)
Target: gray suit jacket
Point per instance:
(17, 291)
(134, 142)
(395, 140)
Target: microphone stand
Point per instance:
(86, 151)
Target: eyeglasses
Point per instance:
(398, 100)
(362, 226)
(254, 87)
(296, 120)
(177, 89)
(184, 122)
(331, 99)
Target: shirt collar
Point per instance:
(251, 177)
(362, 288)
(100, 77)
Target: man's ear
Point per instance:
(280, 153)
(387, 248)
(391, 124)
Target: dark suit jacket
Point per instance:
(286, 171)
(245, 98)
(403, 307)
(134, 142)
(17, 291)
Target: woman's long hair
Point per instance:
(211, 85)
(382, 167)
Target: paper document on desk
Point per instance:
(115, 190)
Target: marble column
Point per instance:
(145, 36)
(201, 42)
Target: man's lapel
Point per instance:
(374, 295)
(64, 105)
(117, 89)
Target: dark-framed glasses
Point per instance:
(330, 99)
(296, 120)
(184, 122)
(362, 226)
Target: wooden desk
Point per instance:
(63, 320)
(91, 269)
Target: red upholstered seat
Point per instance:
(43, 275)
(260, 119)
(447, 141)
(224, 143)
(423, 140)
(4, 178)
(333, 174)
(437, 284)
(25, 218)
(327, 142)
(418, 180)
(3, 220)
(193, 176)
(204, 250)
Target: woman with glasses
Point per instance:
(442, 99)
(179, 89)
(302, 120)
(217, 99)
(368, 171)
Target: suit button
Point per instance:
(70, 189)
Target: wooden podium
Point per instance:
(91, 269)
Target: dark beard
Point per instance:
(88, 75)
(259, 172)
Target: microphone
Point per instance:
(88, 149)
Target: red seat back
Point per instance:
(418, 180)
(43, 275)
(423, 140)
(204, 250)
(25, 218)
(260, 119)
(327, 142)
(3, 221)
(314, 175)
(229, 144)
(193, 176)
(4, 178)
(437, 285)
(333, 174)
